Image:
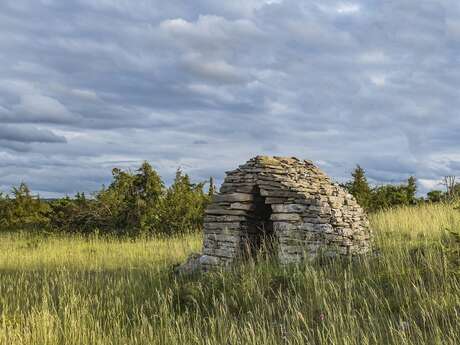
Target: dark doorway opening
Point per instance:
(260, 232)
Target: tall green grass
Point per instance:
(73, 290)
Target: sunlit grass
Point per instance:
(426, 220)
(74, 290)
(26, 251)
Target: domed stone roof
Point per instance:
(288, 201)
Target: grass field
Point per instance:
(72, 290)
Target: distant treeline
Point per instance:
(134, 203)
(137, 202)
(392, 195)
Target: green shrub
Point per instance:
(23, 210)
(134, 203)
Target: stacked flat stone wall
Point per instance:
(309, 214)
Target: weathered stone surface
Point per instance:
(226, 212)
(196, 262)
(240, 188)
(242, 206)
(222, 226)
(269, 200)
(227, 238)
(285, 216)
(308, 213)
(288, 208)
(221, 219)
(282, 226)
(190, 266)
(233, 197)
(277, 193)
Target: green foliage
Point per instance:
(74, 215)
(389, 196)
(359, 187)
(411, 190)
(134, 203)
(130, 200)
(23, 210)
(182, 208)
(452, 194)
(381, 197)
(436, 196)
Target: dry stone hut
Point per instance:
(288, 200)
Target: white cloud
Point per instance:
(378, 80)
(39, 108)
(373, 57)
(85, 94)
(29, 134)
(430, 184)
(212, 92)
(210, 32)
(216, 70)
(348, 8)
(278, 108)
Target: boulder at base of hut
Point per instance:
(195, 263)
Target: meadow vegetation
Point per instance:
(135, 203)
(138, 203)
(70, 289)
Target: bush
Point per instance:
(182, 208)
(23, 210)
(380, 197)
(134, 203)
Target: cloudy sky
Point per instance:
(87, 85)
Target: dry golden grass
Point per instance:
(72, 290)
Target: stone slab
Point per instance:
(288, 208)
(233, 197)
(285, 217)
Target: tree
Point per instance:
(449, 183)
(25, 211)
(359, 187)
(456, 190)
(148, 191)
(387, 196)
(182, 208)
(148, 184)
(133, 203)
(212, 187)
(411, 190)
(435, 196)
(130, 200)
(115, 206)
(4, 211)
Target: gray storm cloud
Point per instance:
(88, 85)
(29, 134)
